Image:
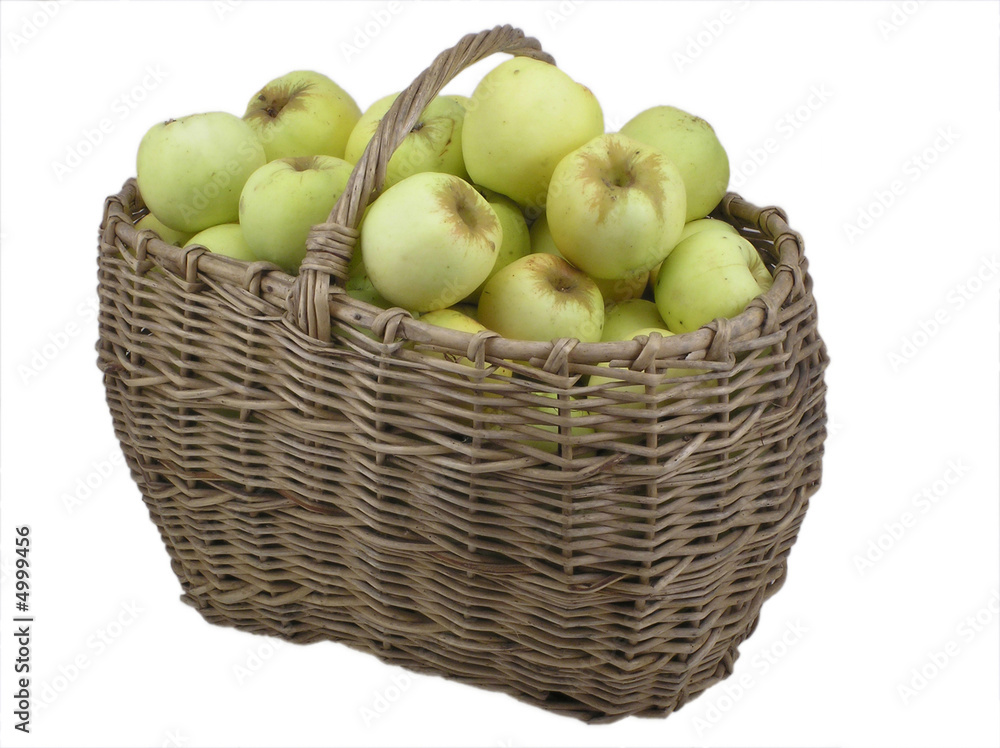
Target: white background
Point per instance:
(822, 107)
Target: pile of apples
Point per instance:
(510, 210)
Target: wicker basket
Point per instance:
(319, 470)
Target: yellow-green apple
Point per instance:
(615, 207)
(612, 290)
(359, 286)
(691, 143)
(516, 241)
(624, 318)
(706, 224)
(459, 99)
(225, 239)
(524, 116)
(149, 222)
(433, 144)
(708, 275)
(469, 310)
(283, 199)
(454, 319)
(191, 170)
(302, 113)
(542, 297)
(429, 241)
(693, 227)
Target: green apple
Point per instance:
(706, 224)
(459, 99)
(359, 286)
(283, 199)
(693, 227)
(429, 241)
(524, 116)
(191, 170)
(469, 310)
(624, 318)
(433, 144)
(454, 319)
(225, 239)
(708, 275)
(302, 114)
(542, 297)
(516, 241)
(149, 222)
(612, 290)
(691, 143)
(616, 207)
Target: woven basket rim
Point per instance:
(275, 285)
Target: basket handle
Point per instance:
(330, 245)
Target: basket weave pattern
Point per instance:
(320, 469)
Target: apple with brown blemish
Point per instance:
(542, 297)
(516, 240)
(302, 113)
(429, 241)
(613, 290)
(693, 147)
(615, 207)
(434, 143)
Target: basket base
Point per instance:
(418, 660)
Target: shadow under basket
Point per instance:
(464, 505)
